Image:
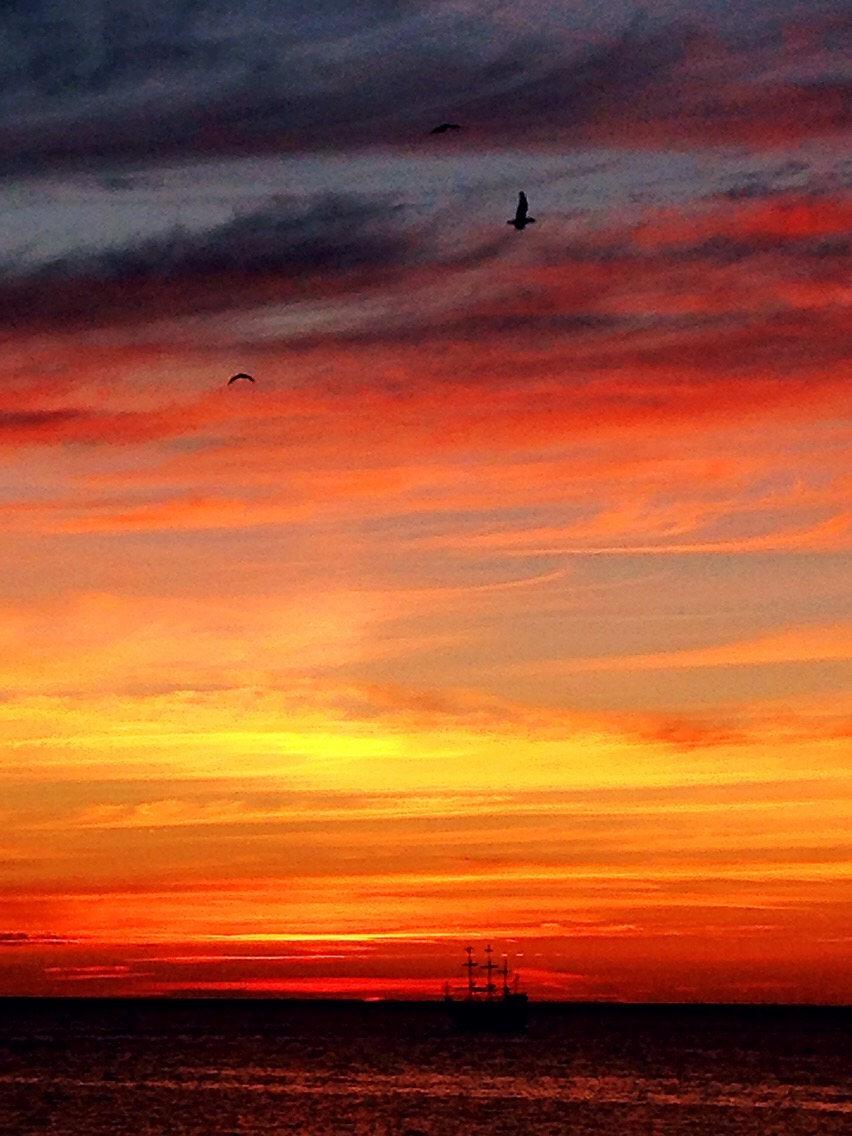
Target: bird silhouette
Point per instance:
(241, 375)
(521, 219)
(444, 127)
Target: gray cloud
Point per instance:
(285, 238)
(135, 76)
(334, 233)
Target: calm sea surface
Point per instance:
(213, 1068)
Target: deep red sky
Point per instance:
(511, 603)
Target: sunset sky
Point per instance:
(511, 603)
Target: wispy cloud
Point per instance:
(801, 644)
(254, 258)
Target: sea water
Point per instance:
(221, 1068)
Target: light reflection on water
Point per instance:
(226, 1069)
(621, 1090)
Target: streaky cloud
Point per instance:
(210, 270)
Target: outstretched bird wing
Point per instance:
(523, 208)
(241, 375)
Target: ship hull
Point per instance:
(503, 1015)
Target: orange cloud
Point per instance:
(807, 644)
(768, 224)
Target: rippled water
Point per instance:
(225, 1068)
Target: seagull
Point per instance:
(444, 127)
(241, 375)
(520, 219)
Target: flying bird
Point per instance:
(521, 219)
(444, 127)
(241, 375)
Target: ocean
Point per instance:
(222, 1068)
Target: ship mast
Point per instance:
(490, 967)
(470, 966)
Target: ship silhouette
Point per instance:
(489, 1006)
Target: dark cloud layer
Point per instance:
(254, 256)
(25, 939)
(596, 300)
(334, 233)
(126, 78)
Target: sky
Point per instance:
(510, 604)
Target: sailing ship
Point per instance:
(489, 1006)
